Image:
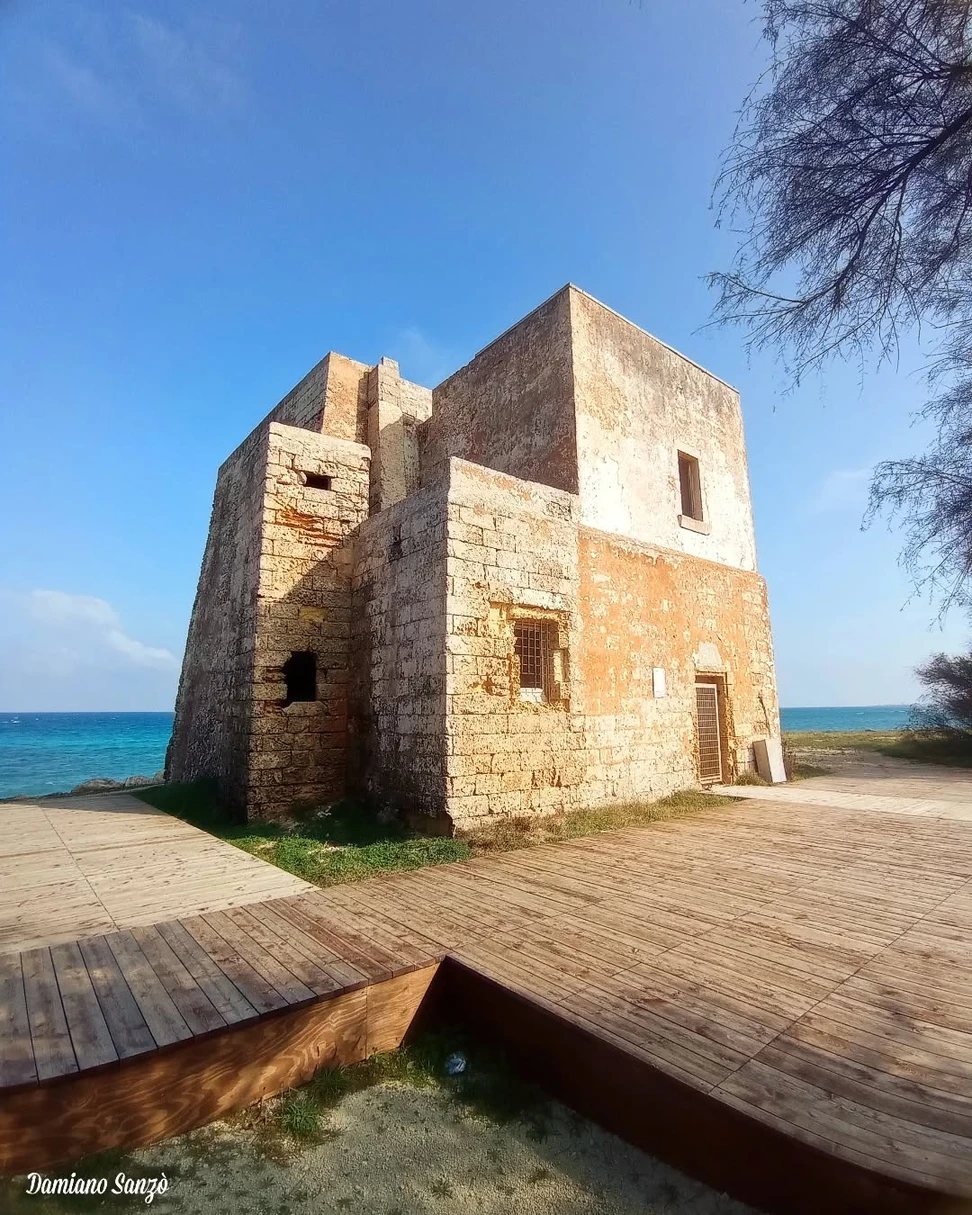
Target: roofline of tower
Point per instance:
(567, 287)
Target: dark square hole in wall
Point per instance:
(317, 481)
(395, 548)
(300, 673)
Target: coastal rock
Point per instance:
(102, 784)
(98, 784)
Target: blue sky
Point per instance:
(201, 200)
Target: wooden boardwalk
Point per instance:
(802, 971)
(75, 866)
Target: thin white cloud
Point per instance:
(141, 655)
(119, 67)
(188, 64)
(85, 87)
(843, 489)
(79, 627)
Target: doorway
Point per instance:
(709, 732)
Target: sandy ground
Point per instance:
(392, 1150)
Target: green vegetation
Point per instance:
(489, 1089)
(849, 740)
(342, 843)
(345, 842)
(931, 746)
(526, 831)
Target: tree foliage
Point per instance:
(850, 173)
(947, 701)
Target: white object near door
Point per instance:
(769, 760)
(658, 687)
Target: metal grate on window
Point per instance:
(707, 721)
(533, 650)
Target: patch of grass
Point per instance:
(750, 778)
(342, 843)
(505, 834)
(951, 747)
(489, 1089)
(345, 842)
(842, 740)
(801, 771)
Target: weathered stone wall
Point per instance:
(638, 403)
(396, 407)
(332, 397)
(298, 751)
(398, 697)
(511, 408)
(512, 547)
(620, 609)
(646, 607)
(211, 734)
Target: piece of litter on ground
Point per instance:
(456, 1063)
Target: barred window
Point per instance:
(536, 641)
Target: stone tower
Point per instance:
(530, 589)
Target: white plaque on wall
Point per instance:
(658, 682)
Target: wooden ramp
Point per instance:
(779, 1001)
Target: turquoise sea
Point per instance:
(863, 717)
(53, 752)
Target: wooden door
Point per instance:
(708, 733)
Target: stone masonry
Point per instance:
(528, 590)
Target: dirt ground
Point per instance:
(397, 1150)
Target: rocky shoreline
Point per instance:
(97, 784)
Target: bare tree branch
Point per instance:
(850, 170)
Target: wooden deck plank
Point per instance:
(305, 973)
(343, 974)
(86, 1022)
(811, 969)
(195, 1007)
(166, 1023)
(129, 1031)
(335, 948)
(356, 934)
(225, 997)
(53, 1051)
(16, 1049)
(254, 986)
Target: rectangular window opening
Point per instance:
(317, 481)
(536, 643)
(690, 485)
(300, 674)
